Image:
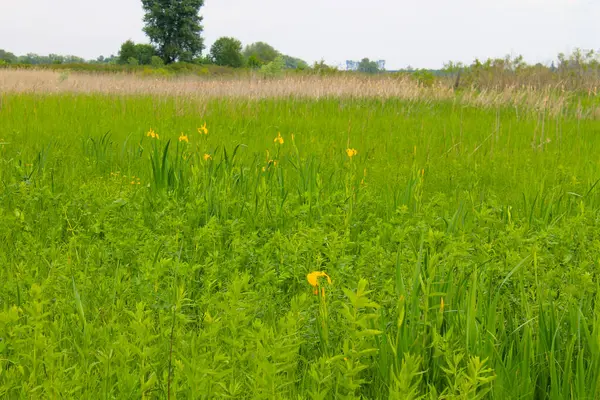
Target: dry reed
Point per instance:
(547, 100)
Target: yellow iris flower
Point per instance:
(278, 139)
(351, 152)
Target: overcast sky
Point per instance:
(420, 33)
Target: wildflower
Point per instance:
(351, 152)
(184, 138)
(313, 278)
(203, 129)
(152, 134)
(207, 157)
(278, 139)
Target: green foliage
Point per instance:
(127, 52)
(262, 51)
(142, 53)
(367, 66)
(157, 62)
(174, 26)
(462, 265)
(227, 51)
(424, 77)
(274, 68)
(253, 62)
(8, 57)
(321, 68)
(294, 63)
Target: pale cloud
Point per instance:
(422, 34)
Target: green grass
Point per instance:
(463, 246)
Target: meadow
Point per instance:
(297, 240)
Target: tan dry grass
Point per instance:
(42, 81)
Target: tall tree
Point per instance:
(174, 26)
(227, 51)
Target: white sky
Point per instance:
(420, 33)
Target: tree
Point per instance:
(7, 57)
(294, 63)
(227, 51)
(368, 66)
(174, 26)
(144, 53)
(127, 51)
(263, 52)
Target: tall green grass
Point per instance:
(462, 243)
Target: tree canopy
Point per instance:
(261, 51)
(140, 52)
(174, 26)
(227, 51)
(368, 66)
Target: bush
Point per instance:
(254, 62)
(424, 77)
(157, 62)
(274, 68)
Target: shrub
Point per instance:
(274, 68)
(157, 62)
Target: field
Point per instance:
(293, 239)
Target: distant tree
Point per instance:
(227, 51)
(294, 63)
(33, 59)
(8, 57)
(143, 53)
(128, 50)
(174, 26)
(262, 51)
(133, 61)
(367, 66)
(56, 59)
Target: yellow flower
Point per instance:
(313, 278)
(183, 138)
(351, 152)
(207, 157)
(152, 134)
(203, 129)
(278, 139)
